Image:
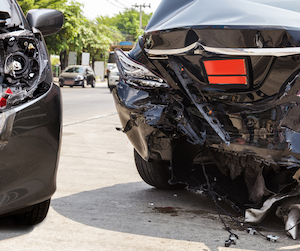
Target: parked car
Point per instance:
(113, 79)
(30, 111)
(77, 75)
(111, 65)
(209, 98)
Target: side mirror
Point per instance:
(48, 21)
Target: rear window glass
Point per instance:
(293, 5)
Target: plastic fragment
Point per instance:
(251, 231)
(232, 240)
(272, 238)
(291, 224)
(227, 243)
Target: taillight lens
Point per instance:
(137, 74)
(226, 71)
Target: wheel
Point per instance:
(84, 83)
(61, 85)
(155, 173)
(93, 83)
(36, 214)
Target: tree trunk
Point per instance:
(63, 59)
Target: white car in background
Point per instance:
(113, 78)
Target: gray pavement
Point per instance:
(101, 203)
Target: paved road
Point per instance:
(102, 204)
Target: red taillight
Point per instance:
(226, 71)
(4, 97)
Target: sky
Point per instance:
(94, 8)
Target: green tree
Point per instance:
(82, 35)
(96, 39)
(67, 38)
(128, 23)
(27, 5)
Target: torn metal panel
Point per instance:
(291, 224)
(253, 215)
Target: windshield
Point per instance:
(75, 70)
(9, 16)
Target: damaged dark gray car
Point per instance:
(209, 99)
(30, 111)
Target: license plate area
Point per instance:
(69, 82)
(226, 73)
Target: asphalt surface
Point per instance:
(101, 203)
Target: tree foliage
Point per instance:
(127, 22)
(27, 5)
(80, 34)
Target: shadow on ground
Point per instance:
(10, 227)
(136, 208)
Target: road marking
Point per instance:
(90, 119)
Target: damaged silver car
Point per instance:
(30, 111)
(209, 99)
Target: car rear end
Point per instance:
(219, 79)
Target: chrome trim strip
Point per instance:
(277, 52)
(172, 51)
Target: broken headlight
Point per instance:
(137, 74)
(23, 59)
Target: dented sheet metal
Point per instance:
(221, 88)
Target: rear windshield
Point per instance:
(75, 70)
(293, 5)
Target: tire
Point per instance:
(61, 85)
(155, 173)
(84, 83)
(93, 83)
(37, 213)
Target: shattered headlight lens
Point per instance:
(137, 74)
(23, 65)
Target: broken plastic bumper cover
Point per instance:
(196, 90)
(157, 119)
(29, 150)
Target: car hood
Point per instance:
(189, 13)
(69, 75)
